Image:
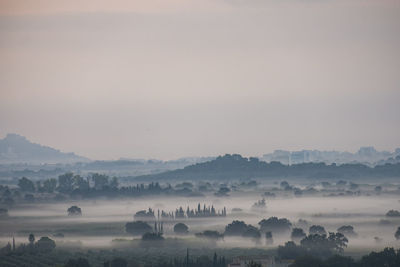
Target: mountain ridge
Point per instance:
(15, 148)
(234, 166)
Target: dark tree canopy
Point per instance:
(31, 238)
(347, 230)
(45, 244)
(210, 235)
(273, 224)
(236, 228)
(393, 213)
(26, 185)
(74, 211)
(181, 228)
(317, 230)
(240, 228)
(145, 215)
(138, 228)
(297, 234)
(397, 234)
(388, 258)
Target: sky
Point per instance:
(169, 79)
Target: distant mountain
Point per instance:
(15, 148)
(230, 167)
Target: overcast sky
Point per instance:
(167, 79)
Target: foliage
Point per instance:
(137, 228)
(297, 234)
(317, 230)
(347, 230)
(181, 228)
(397, 234)
(26, 185)
(393, 213)
(210, 235)
(274, 224)
(45, 244)
(74, 211)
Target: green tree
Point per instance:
(138, 228)
(65, 182)
(31, 239)
(26, 185)
(45, 244)
(49, 185)
(100, 180)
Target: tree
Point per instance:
(273, 224)
(236, 228)
(210, 235)
(114, 182)
(138, 228)
(393, 213)
(317, 230)
(268, 237)
(323, 246)
(290, 251)
(26, 185)
(74, 211)
(223, 192)
(388, 258)
(145, 215)
(152, 237)
(65, 182)
(45, 244)
(80, 183)
(297, 234)
(181, 229)
(339, 261)
(100, 180)
(252, 232)
(338, 241)
(31, 239)
(49, 185)
(397, 234)
(347, 230)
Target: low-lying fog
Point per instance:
(104, 220)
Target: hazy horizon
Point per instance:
(171, 79)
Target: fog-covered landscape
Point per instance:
(199, 133)
(230, 205)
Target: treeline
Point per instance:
(76, 186)
(238, 167)
(389, 257)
